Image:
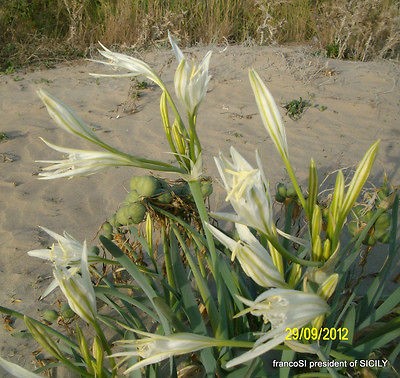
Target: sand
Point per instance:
(361, 102)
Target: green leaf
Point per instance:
(133, 270)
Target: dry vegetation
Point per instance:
(46, 31)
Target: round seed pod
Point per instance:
(131, 197)
(66, 311)
(122, 215)
(281, 190)
(136, 212)
(206, 188)
(290, 191)
(164, 198)
(50, 315)
(145, 186)
(131, 214)
(107, 230)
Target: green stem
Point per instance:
(289, 256)
(168, 263)
(294, 182)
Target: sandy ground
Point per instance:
(362, 102)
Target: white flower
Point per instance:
(154, 348)
(67, 254)
(66, 118)
(78, 288)
(248, 192)
(253, 257)
(80, 162)
(190, 80)
(282, 308)
(269, 114)
(135, 66)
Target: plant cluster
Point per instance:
(169, 293)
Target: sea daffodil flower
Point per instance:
(78, 288)
(282, 308)
(248, 192)
(253, 257)
(67, 253)
(136, 66)
(190, 80)
(80, 162)
(153, 348)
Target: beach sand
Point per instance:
(352, 105)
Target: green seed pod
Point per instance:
(145, 186)
(206, 188)
(131, 197)
(107, 230)
(130, 214)
(66, 311)
(164, 198)
(50, 315)
(281, 190)
(290, 191)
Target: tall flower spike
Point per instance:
(253, 257)
(190, 80)
(78, 289)
(248, 193)
(154, 348)
(282, 308)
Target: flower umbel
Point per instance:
(283, 308)
(190, 80)
(154, 348)
(248, 192)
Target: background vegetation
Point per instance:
(45, 31)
